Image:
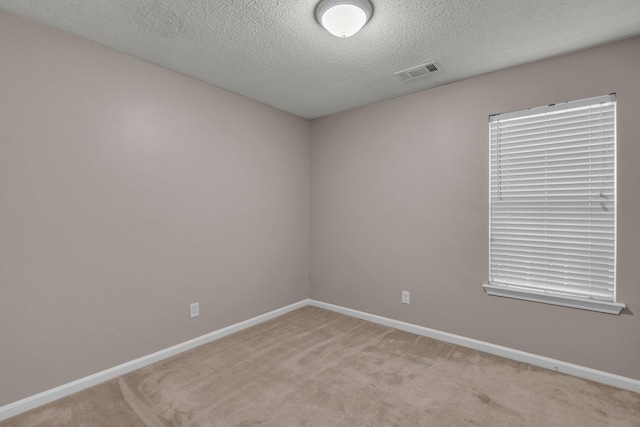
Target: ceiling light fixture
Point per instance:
(343, 18)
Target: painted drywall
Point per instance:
(127, 192)
(399, 201)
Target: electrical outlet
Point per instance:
(194, 310)
(406, 297)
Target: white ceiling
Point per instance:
(276, 53)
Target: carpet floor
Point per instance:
(313, 367)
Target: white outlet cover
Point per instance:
(194, 309)
(406, 297)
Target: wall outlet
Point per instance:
(194, 310)
(406, 297)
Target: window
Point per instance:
(553, 204)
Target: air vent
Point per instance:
(419, 71)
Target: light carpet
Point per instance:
(313, 367)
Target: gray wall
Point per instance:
(399, 201)
(127, 192)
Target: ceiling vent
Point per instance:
(419, 71)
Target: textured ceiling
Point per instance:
(276, 53)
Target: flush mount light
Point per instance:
(343, 18)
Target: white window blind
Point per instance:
(553, 202)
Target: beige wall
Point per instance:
(399, 201)
(127, 192)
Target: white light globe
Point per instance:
(343, 18)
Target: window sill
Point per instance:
(583, 304)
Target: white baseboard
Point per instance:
(509, 353)
(56, 393)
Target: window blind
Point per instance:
(553, 199)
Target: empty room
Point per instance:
(319, 213)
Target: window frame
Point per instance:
(535, 292)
